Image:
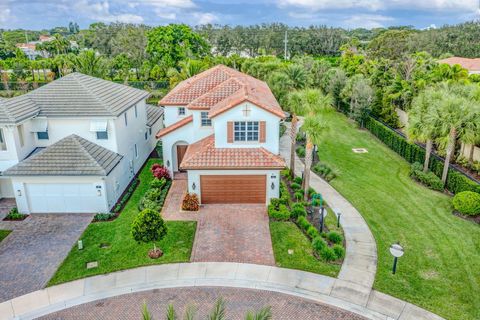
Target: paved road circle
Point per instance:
(238, 302)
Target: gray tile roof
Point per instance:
(74, 95)
(71, 156)
(153, 114)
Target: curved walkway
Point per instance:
(205, 274)
(360, 265)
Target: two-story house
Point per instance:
(74, 144)
(222, 128)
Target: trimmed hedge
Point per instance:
(467, 202)
(428, 179)
(456, 181)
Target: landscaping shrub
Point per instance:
(295, 186)
(286, 174)
(148, 204)
(284, 194)
(339, 251)
(298, 210)
(158, 183)
(312, 232)
(275, 202)
(280, 214)
(328, 254)
(300, 137)
(298, 195)
(467, 202)
(298, 180)
(324, 171)
(153, 194)
(103, 216)
(126, 196)
(13, 214)
(334, 237)
(303, 223)
(190, 202)
(318, 244)
(311, 192)
(456, 181)
(148, 226)
(301, 151)
(160, 171)
(429, 179)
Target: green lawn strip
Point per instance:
(124, 252)
(4, 234)
(285, 236)
(440, 268)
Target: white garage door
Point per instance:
(64, 198)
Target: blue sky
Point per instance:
(39, 14)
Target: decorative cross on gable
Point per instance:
(246, 111)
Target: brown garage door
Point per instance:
(233, 189)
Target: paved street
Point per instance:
(31, 254)
(238, 303)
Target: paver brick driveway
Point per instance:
(225, 232)
(31, 254)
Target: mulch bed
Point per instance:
(25, 216)
(474, 219)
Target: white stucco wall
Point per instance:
(21, 196)
(116, 182)
(273, 176)
(256, 114)
(8, 157)
(153, 131)
(6, 188)
(171, 114)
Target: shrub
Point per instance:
(190, 202)
(298, 180)
(285, 173)
(334, 237)
(298, 195)
(295, 186)
(316, 202)
(300, 137)
(324, 171)
(312, 232)
(298, 210)
(160, 171)
(158, 183)
(311, 192)
(152, 194)
(339, 251)
(148, 204)
(284, 194)
(282, 214)
(303, 223)
(148, 226)
(467, 202)
(275, 202)
(318, 244)
(328, 254)
(301, 152)
(13, 214)
(126, 196)
(429, 179)
(104, 216)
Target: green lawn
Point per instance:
(285, 236)
(440, 270)
(4, 234)
(124, 252)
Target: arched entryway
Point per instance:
(178, 152)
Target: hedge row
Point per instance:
(456, 181)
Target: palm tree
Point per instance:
(295, 106)
(421, 126)
(188, 69)
(88, 62)
(314, 105)
(297, 75)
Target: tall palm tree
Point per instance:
(188, 69)
(88, 62)
(295, 106)
(297, 75)
(314, 105)
(421, 126)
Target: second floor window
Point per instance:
(125, 118)
(181, 111)
(102, 135)
(42, 135)
(246, 131)
(206, 122)
(3, 145)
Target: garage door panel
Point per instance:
(233, 188)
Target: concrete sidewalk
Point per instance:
(357, 274)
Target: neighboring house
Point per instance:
(472, 65)
(222, 128)
(74, 144)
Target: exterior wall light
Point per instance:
(194, 186)
(272, 186)
(168, 163)
(19, 192)
(99, 192)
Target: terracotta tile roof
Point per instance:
(203, 155)
(174, 126)
(467, 63)
(221, 88)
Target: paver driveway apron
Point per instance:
(31, 254)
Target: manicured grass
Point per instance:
(440, 270)
(285, 236)
(124, 252)
(4, 234)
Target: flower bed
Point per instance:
(14, 215)
(328, 245)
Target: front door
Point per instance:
(180, 154)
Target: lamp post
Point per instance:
(338, 214)
(397, 251)
(323, 214)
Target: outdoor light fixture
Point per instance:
(194, 186)
(99, 192)
(323, 214)
(338, 214)
(397, 251)
(19, 192)
(272, 186)
(168, 163)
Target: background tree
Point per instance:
(149, 227)
(90, 63)
(358, 95)
(188, 69)
(392, 44)
(297, 75)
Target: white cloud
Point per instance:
(100, 10)
(368, 21)
(332, 4)
(204, 17)
(5, 14)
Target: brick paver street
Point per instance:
(31, 254)
(225, 232)
(238, 303)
